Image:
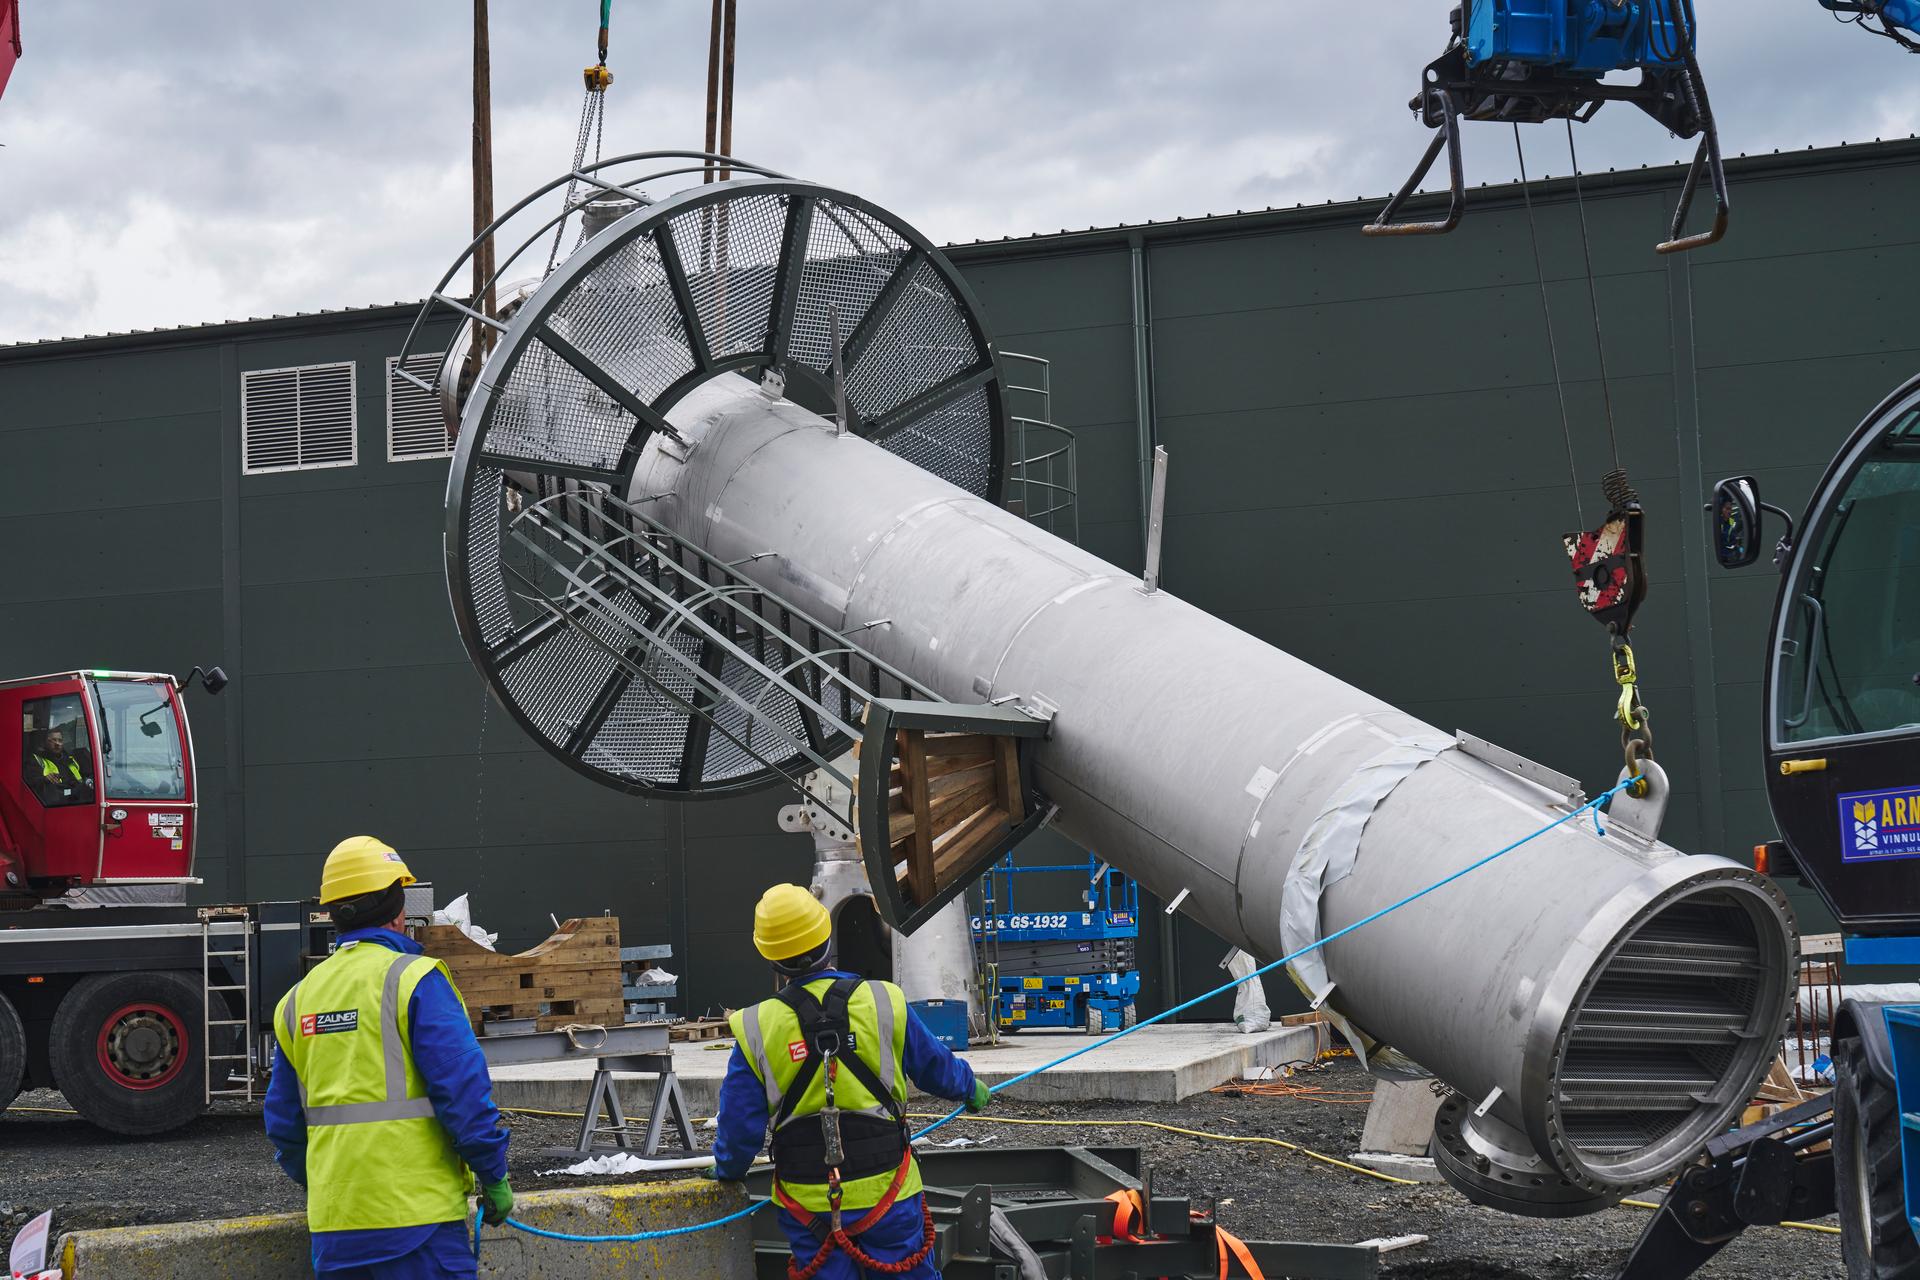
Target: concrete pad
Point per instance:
(273, 1246)
(1155, 1064)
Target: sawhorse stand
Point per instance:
(668, 1104)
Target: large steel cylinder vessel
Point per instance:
(1601, 1003)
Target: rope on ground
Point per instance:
(1591, 806)
(1292, 1146)
(1200, 1133)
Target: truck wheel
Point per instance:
(1876, 1241)
(126, 1051)
(1096, 1021)
(1129, 1015)
(13, 1053)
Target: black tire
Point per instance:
(1876, 1241)
(126, 1051)
(13, 1053)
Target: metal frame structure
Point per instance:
(1059, 1201)
(694, 619)
(635, 658)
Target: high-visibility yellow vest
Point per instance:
(770, 1038)
(51, 771)
(376, 1155)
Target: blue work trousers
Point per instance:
(899, 1234)
(447, 1254)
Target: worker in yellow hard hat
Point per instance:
(825, 1065)
(380, 1101)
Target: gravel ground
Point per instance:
(222, 1166)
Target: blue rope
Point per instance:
(1592, 806)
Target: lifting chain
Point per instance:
(1636, 728)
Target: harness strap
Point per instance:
(840, 1239)
(816, 1015)
(807, 1216)
(814, 1018)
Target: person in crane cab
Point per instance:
(380, 1102)
(58, 775)
(825, 1064)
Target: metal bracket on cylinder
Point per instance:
(1640, 817)
(1156, 512)
(1571, 794)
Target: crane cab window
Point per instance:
(56, 757)
(140, 742)
(1849, 658)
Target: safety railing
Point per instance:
(1043, 483)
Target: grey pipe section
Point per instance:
(1197, 757)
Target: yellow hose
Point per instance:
(1083, 1124)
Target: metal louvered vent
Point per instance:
(416, 427)
(297, 419)
(1660, 1029)
(630, 657)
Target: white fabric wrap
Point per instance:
(1332, 842)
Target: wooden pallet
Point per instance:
(572, 977)
(700, 1029)
(949, 796)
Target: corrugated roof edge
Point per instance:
(1843, 155)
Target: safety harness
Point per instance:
(832, 1145)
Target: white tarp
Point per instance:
(1250, 1012)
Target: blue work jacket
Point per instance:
(450, 1061)
(742, 1128)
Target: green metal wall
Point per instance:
(1368, 469)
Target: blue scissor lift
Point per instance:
(1072, 968)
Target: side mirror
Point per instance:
(214, 678)
(1735, 522)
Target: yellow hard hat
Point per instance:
(789, 922)
(361, 864)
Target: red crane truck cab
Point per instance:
(96, 781)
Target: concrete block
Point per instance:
(1400, 1117)
(270, 1247)
(1412, 1168)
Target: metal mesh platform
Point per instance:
(622, 650)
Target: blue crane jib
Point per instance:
(1529, 61)
(1582, 37)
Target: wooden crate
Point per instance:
(572, 977)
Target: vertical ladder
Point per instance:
(989, 953)
(235, 974)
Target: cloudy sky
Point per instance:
(209, 159)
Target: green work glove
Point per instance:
(981, 1096)
(496, 1202)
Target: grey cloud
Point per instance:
(236, 158)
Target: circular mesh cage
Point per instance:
(689, 678)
